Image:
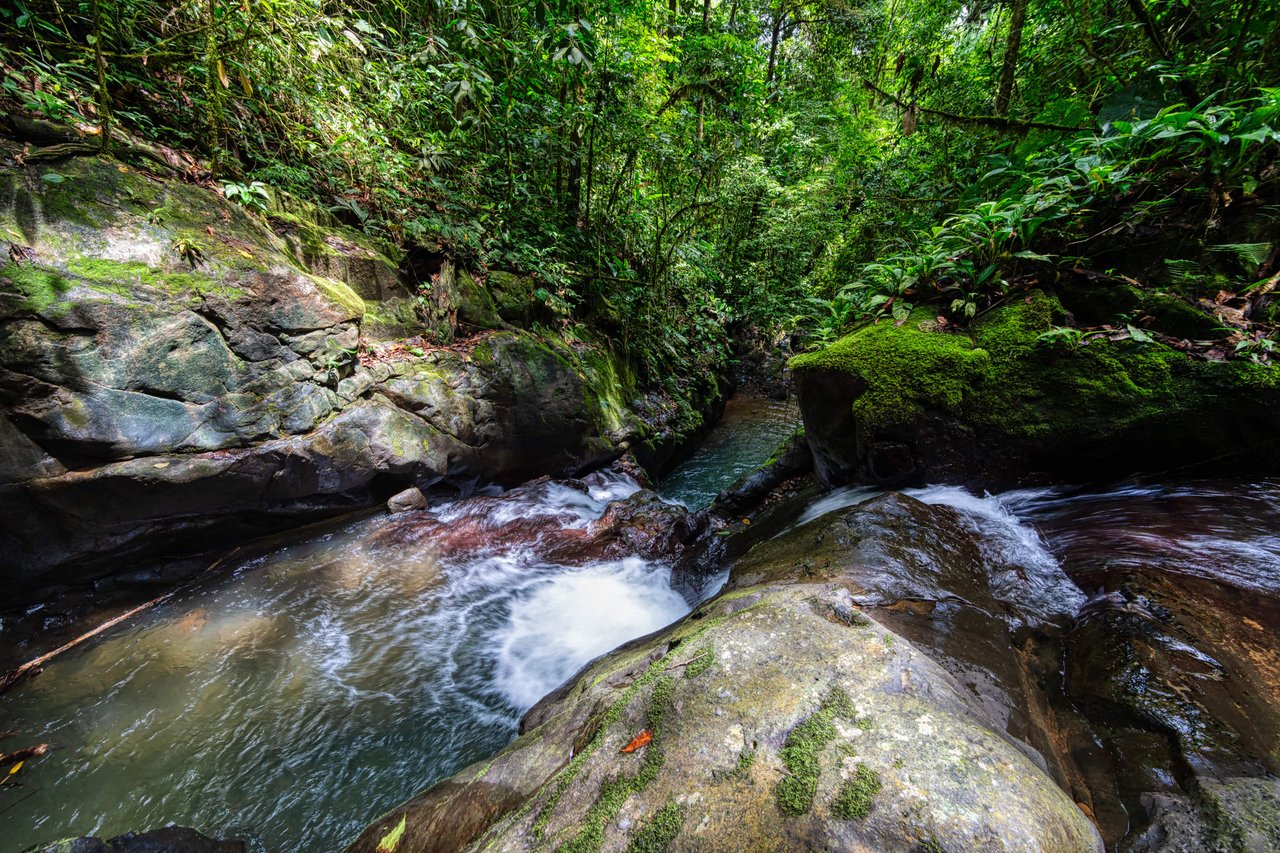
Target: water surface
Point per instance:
(296, 699)
(750, 431)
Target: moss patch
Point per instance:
(655, 674)
(340, 294)
(802, 752)
(658, 833)
(998, 387)
(903, 369)
(39, 287)
(857, 794)
(614, 793)
(702, 661)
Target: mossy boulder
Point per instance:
(176, 370)
(894, 404)
(780, 715)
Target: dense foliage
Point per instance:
(665, 168)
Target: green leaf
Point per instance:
(391, 840)
(52, 178)
(1137, 334)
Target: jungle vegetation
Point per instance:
(676, 170)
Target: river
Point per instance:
(297, 696)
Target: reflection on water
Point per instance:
(751, 429)
(318, 686)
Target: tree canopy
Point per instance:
(670, 167)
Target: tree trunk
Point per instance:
(774, 36)
(104, 100)
(1013, 46)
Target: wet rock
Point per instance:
(903, 404)
(176, 372)
(792, 459)
(783, 716)
(171, 839)
(411, 498)
(1220, 816)
(530, 520)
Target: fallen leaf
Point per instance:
(15, 768)
(209, 228)
(639, 741)
(391, 840)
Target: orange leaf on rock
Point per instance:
(638, 742)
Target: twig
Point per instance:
(701, 654)
(34, 667)
(15, 802)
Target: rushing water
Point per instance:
(295, 699)
(751, 429)
(320, 685)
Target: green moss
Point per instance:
(857, 794)
(654, 674)
(904, 369)
(658, 833)
(701, 662)
(1000, 386)
(1174, 316)
(40, 287)
(125, 277)
(340, 295)
(614, 793)
(802, 752)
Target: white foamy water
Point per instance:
(571, 618)
(322, 684)
(1021, 568)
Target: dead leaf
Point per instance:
(639, 741)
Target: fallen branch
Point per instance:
(23, 754)
(701, 654)
(994, 122)
(34, 667)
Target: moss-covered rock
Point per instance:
(802, 731)
(898, 403)
(176, 369)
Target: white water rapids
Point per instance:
(319, 685)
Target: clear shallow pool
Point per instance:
(751, 429)
(299, 697)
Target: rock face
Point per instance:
(908, 404)
(778, 716)
(171, 839)
(174, 371)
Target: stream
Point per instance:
(298, 696)
(295, 698)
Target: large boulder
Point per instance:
(917, 402)
(781, 715)
(177, 372)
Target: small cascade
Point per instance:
(332, 678)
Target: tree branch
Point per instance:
(994, 122)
